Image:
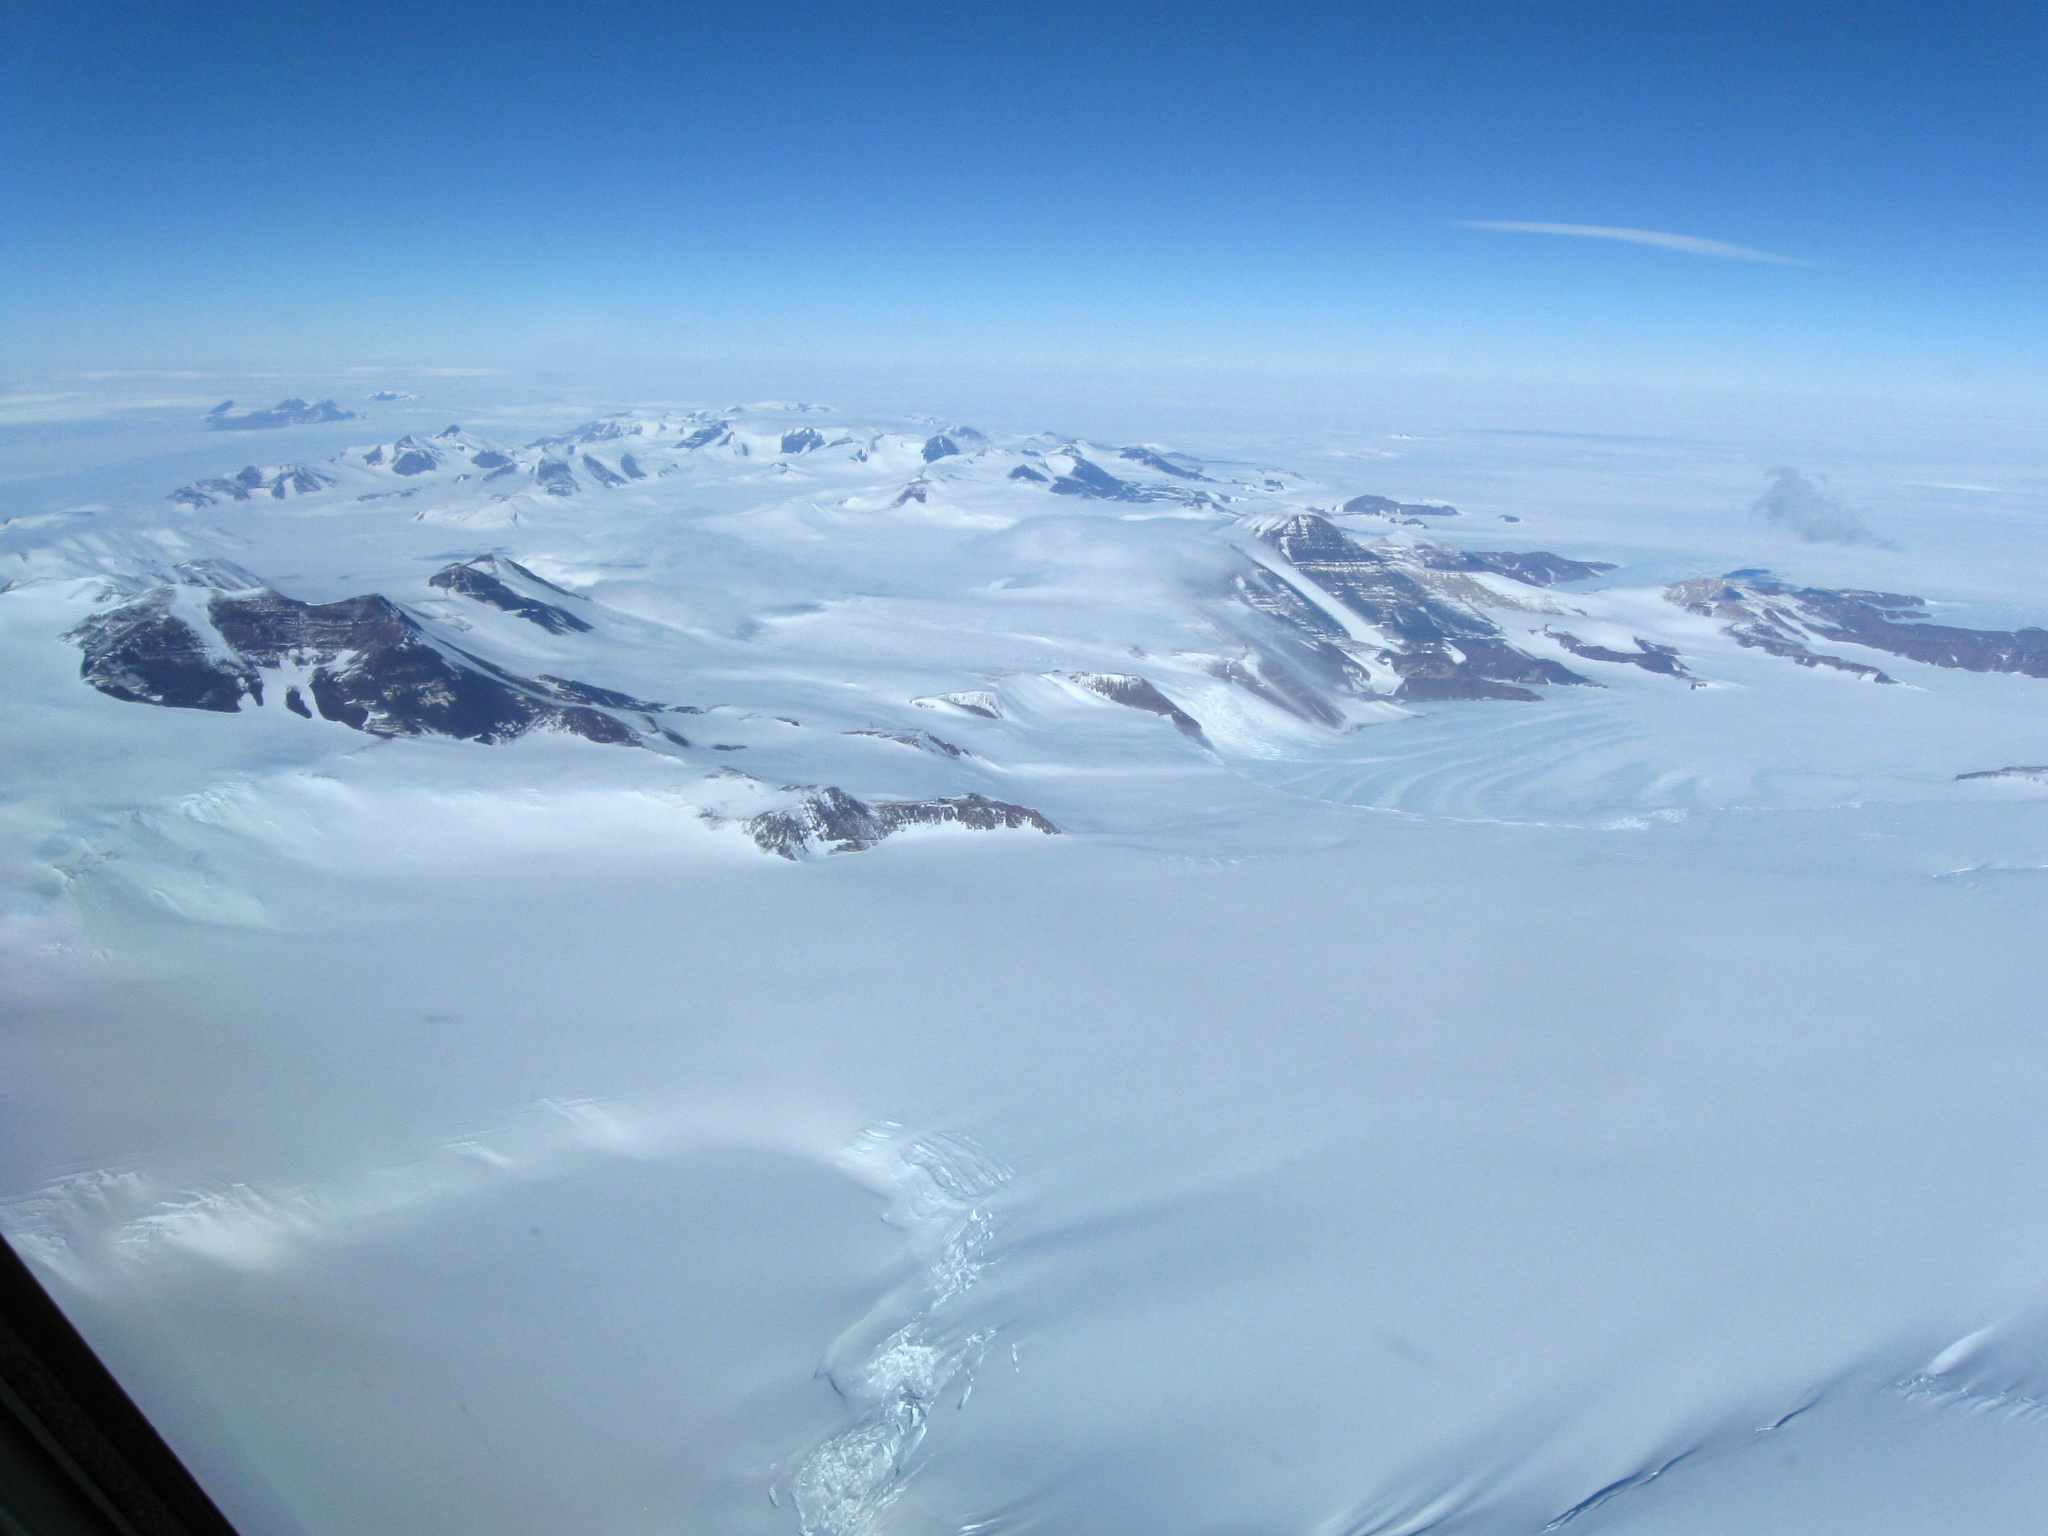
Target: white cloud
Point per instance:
(1692, 245)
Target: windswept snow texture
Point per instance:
(758, 970)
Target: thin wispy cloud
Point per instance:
(1691, 245)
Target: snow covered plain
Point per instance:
(602, 1038)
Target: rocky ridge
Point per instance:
(1781, 620)
(362, 662)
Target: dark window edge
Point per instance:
(77, 1457)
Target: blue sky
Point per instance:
(1223, 186)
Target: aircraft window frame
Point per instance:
(77, 1456)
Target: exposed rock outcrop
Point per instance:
(923, 741)
(1532, 567)
(1781, 620)
(555, 477)
(479, 580)
(1648, 655)
(286, 413)
(2038, 773)
(1095, 483)
(1180, 464)
(277, 482)
(601, 472)
(146, 652)
(979, 703)
(1139, 693)
(1386, 506)
(363, 661)
(1437, 647)
(830, 820)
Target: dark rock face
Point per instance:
(831, 820)
(1262, 591)
(1495, 661)
(939, 447)
(1648, 655)
(472, 579)
(923, 741)
(1179, 464)
(608, 430)
(1372, 586)
(573, 692)
(1301, 652)
(409, 456)
(1026, 472)
(297, 479)
(1264, 679)
(705, 437)
(144, 653)
(598, 471)
(375, 670)
(365, 662)
(1441, 674)
(1894, 623)
(630, 467)
(1139, 693)
(490, 458)
(215, 575)
(982, 704)
(555, 477)
(286, 413)
(279, 483)
(2039, 772)
(803, 440)
(1779, 620)
(1386, 506)
(1751, 619)
(1534, 567)
(915, 491)
(1096, 483)
(1438, 648)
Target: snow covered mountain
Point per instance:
(1360, 1015)
(286, 413)
(800, 589)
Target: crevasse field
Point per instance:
(809, 970)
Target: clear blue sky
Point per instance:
(989, 184)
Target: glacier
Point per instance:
(779, 969)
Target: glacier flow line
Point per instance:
(893, 1366)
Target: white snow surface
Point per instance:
(1619, 1111)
